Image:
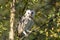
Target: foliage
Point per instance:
(47, 18)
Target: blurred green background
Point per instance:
(47, 19)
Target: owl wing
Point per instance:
(28, 23)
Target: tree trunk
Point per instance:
(11, 33)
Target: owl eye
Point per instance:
(32, 13)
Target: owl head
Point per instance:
(30, 13)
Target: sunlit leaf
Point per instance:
(41, 31)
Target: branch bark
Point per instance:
(11, 33)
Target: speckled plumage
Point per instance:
(26, 22)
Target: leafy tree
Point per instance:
(47, 18)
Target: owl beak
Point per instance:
(30, 16)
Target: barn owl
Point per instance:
(26, 22)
